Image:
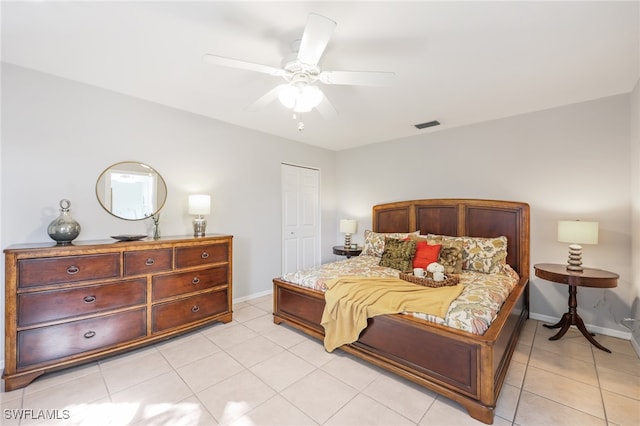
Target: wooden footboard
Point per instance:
(464, 367)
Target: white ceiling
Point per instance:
(456, 62)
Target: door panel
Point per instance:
(300, 218)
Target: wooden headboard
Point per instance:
(462, 217)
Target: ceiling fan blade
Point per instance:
(265, 99)
(316, 35)
(326, 109)
(236, 63)
(358, 78)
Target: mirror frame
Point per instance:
(135, 167)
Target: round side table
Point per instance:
(344, 251)
(588, 277)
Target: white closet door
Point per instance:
(300, 218)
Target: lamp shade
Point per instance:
(577, 232)
(199, 204)
(348, 226)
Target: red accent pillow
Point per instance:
(426, 254)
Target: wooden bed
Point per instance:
(464, 367)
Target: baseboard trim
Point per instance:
(636, 346)
(252, 296)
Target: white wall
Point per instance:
(59, 135)
(635, 200)
(569, 162)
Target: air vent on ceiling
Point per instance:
(427, 124)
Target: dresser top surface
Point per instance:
(148, 241)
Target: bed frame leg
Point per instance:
(481, 413)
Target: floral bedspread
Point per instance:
(472, 311)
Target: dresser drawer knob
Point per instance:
(195, 281)
(195, 309)
(204, 255)
(72, 270)
(89, 299)
(149, 262)
(89, 334)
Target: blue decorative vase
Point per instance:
(64, 228)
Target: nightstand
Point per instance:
(588, 277)
(343, 251)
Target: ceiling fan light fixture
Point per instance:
(300, 98)
(300, 70)
(287, 95)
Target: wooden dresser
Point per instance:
(67, 305)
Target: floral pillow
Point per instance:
(374, 241)
(486, 255)
(398, 254)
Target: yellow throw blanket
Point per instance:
(350, 301)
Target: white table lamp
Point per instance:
(199, 205)
(576, 232)
(348, 227)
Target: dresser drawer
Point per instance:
(44, 306)
(175, 284)
(184, 311)
(58, 341)
(147, 261)
(202, 255)
(43, 271)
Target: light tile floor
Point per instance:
(252, 372)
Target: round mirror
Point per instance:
(131, 190)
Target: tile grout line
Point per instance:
(358, 392)
(248, 369)
(604, 406)
(524, 376)
(591, 349)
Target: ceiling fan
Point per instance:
(300, 73)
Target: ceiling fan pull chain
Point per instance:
(300, 123)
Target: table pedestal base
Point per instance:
(572, 318)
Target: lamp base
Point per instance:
(574, 263)
(347, 241)
(199, 226)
